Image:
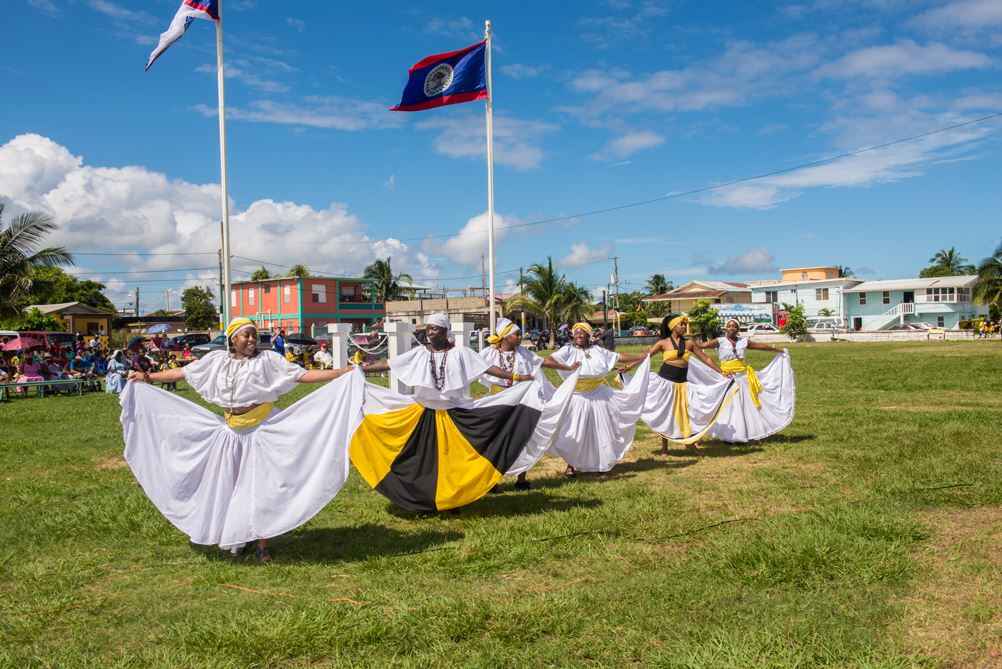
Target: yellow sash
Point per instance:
(252, 418)
(739, 366)
(588, 385)
(495, 389)
(680, 408)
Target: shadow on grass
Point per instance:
(723, 449)
(349, 544)
(622, 471)
(514, 503)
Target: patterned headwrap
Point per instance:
(236, 325)
(504, 328)
(581, 326)
(678, 320)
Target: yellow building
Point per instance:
(78, 317)
(809, 274)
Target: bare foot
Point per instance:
(570, 472)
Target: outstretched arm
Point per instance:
(550, 363)
(378, 366)
(494, 370)
(763, 347)
(166, 376)
(694, 348)
(321, 375)
(713, 343)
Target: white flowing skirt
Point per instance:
(599, 426)
(704, 400)
(740, 420)
(227, 487)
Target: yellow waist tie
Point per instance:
(588, 385)
(252, 418)
(739, 366)
(495, 389)
(680, 408)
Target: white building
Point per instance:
(939, 302)
(819, 289)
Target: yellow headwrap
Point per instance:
(581, 326)
(504, 328)
(678, 320)
(236, 325)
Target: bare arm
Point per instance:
(321, 375)
(494, 370)
(762, 347)
(693, 347)
(713, 343)
(378, 366)
(166, 376)
(550, 363)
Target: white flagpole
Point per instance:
(224, 299)
(490, 178)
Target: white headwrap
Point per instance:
(440, 321)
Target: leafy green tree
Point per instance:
(825, 312)
(52, 285)
(260, 274)
(34, 319)
(542, 290)
(796, 322)
(20, 256)
(387, 284)
(300, 271)
(657, 284)
(988, 289)
(845, 272)
(947, 262)
(575, 302)
(199, 312)
(705, 321)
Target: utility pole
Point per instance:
(221, 287)
(483, 276)
(615, 285)
(605, 308)
(137, 301)
(521, 291)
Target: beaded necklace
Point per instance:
(438, 377)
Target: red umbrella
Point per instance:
(23, 343)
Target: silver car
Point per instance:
(219, 344)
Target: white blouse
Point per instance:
(728, 351)
(595, 361)
(462, 367)
(231, 382)
(522, 361)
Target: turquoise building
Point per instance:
(940, 302)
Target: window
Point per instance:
(821, 294)
(234, 298)
(250, 296)
(287, 292)
(319, 292)
(947, 294)
(862, 298)
(963, 295)
(772, 296)
(940, 321)
(886, 297)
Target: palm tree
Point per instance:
(387, 284)
(260, 274)
(543, 290)
(575, 302)
(988, 289)
(20, 255)
(947, 262)
(844, 272)
(299, 271)
(657, 284)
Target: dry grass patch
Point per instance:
(955, 614)
(111, 462)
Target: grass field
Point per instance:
(868, 534)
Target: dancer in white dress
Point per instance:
(254, 473)
(682, 412)
(761, 403)
(600, 423)
(507, 353)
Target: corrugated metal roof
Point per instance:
(966, 281)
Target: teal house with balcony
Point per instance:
(308, 304)
(938, 302)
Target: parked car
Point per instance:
(761, 328)
(191, 339)
(913, 326)
(824, 324)
(219, 344)
(640, 332)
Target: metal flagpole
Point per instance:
(224, 299)
(490, 177)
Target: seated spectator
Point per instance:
(186, 352)
(29, 372)
(169, 363)
(323, 357)
(114, 380)
(100, 364)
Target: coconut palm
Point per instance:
(988, 289)
(947, 262)
(543, 292)
(20, 255)
(575, 303)
(300, 271)
(387, 284)
(657, 284)
(260, 274)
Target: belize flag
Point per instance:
(189, 11)
(446, 79)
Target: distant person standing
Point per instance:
(278, 343)
(608, 339)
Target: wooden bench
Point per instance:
(7, 390)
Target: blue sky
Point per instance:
(615, 102)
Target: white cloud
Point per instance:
(246, 75)
(520, 71)
(296, 24)
(391, 183)
(963, 14)
(753, 261)
(133, 207)
(470, 243)
(459, 28)
(582, 254)
(46, 6)
(980, 101)
(316, 112)
(904, 57)
(603, 31)
(116, 11)
(517, 142)
(746, 196)
(629, 144)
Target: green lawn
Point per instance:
(868, 534)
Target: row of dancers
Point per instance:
(258, 472)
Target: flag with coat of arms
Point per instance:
(446, 79)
